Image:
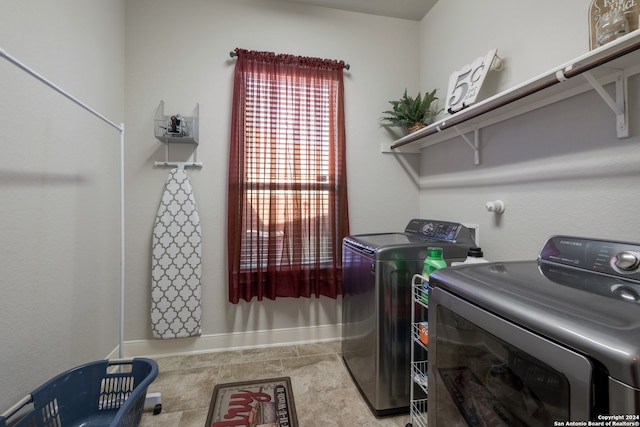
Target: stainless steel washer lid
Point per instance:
(387, 239)
(580, 309)
(391, 246)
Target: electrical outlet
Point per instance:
(475, 231)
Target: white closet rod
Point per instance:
(58, 89)
(120, 128)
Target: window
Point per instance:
(287, 182)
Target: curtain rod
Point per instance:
(233, 55)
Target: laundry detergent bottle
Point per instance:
(433, 262)
(474, 256)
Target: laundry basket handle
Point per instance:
(17, 406)
(123, 361)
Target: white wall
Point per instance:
(181, 55)
(561, 169)
(531, 37)
(59, 186)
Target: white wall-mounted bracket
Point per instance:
(618, 105)
(193, 164)
(495, 206)
(475, 145)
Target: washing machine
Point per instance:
(376, 306)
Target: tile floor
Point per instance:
(324, 393)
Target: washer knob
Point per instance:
(626, 261)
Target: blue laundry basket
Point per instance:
(105, 393)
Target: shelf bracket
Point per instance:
(475, 145)
(618, 105)
(193, 164)
(179, 165)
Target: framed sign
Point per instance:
(629, 8)
(465, 83)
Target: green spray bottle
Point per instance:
(433, 262)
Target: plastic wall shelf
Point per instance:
(187, 133)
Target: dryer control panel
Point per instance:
(621, 259)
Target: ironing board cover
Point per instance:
(176, 262)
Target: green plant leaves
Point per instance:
(408, 110)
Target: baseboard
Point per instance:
(232, 341)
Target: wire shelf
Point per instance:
(420, 375)
(419, 295)
(419, 413)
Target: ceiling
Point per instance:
(405, 9)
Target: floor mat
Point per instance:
(263, 403)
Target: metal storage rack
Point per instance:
(419, 373)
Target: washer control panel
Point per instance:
(620, 259)
(437, 230)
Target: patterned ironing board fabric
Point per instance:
(176, 262)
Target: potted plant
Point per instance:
(410, 113)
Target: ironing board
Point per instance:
(176, 262)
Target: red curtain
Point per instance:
(287, 197)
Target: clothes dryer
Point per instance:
(546, 342)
